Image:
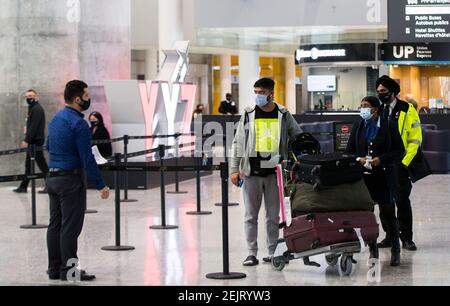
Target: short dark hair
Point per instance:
(229, 95)
(265, 83)
(31, 90)
(74, 89)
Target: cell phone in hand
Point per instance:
(240, 182)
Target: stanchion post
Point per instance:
(225, 153)
(226, 274)
(117, 246)
(126, 141)
(199, 211)
(177, 156)
(163, 226)
(33, 225)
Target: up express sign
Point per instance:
(415, 53)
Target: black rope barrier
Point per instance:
(199, 211)
(163, 226)
(117, 246)
(225, 274)
(33, 224)
(125, 199)
(225, 154)
(177, 177)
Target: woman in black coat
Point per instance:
(99, 132)
(378, 146)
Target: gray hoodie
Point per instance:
(244, 141)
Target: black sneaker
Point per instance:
(268, 259)
(20, 190)
(54, 276)
(385, 243)
(250, 261)
(410, 246)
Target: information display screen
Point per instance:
(325, 83)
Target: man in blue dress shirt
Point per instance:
(69, 146)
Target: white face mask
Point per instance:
(366, 113)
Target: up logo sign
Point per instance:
(403, 52)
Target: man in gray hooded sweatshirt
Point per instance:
(261, 142)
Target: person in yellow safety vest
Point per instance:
(405, 115)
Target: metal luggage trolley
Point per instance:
(343, 251)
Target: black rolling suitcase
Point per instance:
(330, 169)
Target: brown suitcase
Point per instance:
(318, 230)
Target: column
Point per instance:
(307, 103)
(291, 103)
(151, 64)
(57, 41)
(170, 25)
(248, 75)
(225, 75)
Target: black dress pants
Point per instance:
(404, 210)
(67, 208)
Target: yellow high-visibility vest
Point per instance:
(410, 130)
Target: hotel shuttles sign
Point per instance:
(163, 106)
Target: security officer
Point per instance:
(408, 121)
(69, 146)
(228, 106)
(34, 135)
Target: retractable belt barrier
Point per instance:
(22, 150)
(103, 141)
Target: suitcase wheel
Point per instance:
(278, 263)
(346, 265)
(332, 260)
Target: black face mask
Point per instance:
(94, 123)
(385, 98)
(30, 101)
(86, 104)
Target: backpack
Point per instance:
(303, 144)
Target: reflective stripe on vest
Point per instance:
(415, 141)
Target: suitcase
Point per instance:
(314, 231)
(326, 170)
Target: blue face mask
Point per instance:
(366, 113)
(262, 100)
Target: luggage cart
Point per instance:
(341, 253)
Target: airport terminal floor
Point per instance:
(182, 257)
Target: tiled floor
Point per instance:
(183, 256)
